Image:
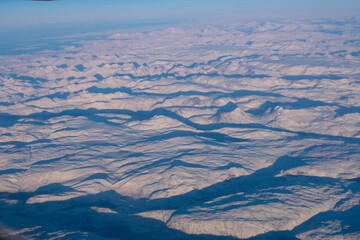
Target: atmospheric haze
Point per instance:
(217, 120)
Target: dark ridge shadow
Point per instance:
(177, 77)
(231, 165)
(66, 129)
(273, 235)
(62, 66)
(59, 95)
(300, 103)
(332, 31)
(229, 107)
(77, 215)
(355, 54)
(80, 67)
(340, 53)
(6, 104)
(348, 219)
(220, 94)
(99, 77)
(311, 77)
(54, 160)
(12, 171)
(53, 188)
(19, 144)
(91, 113)
(136, 65)
(216, 61)
(123, 154)
(347, 110)
(95, 89)
(21, 196)
(219, 137)
(94, 176)
(35, 82)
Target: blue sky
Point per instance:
(19, 13)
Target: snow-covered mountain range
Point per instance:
(235, 131)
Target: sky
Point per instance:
(27, 20)
(20, 13)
